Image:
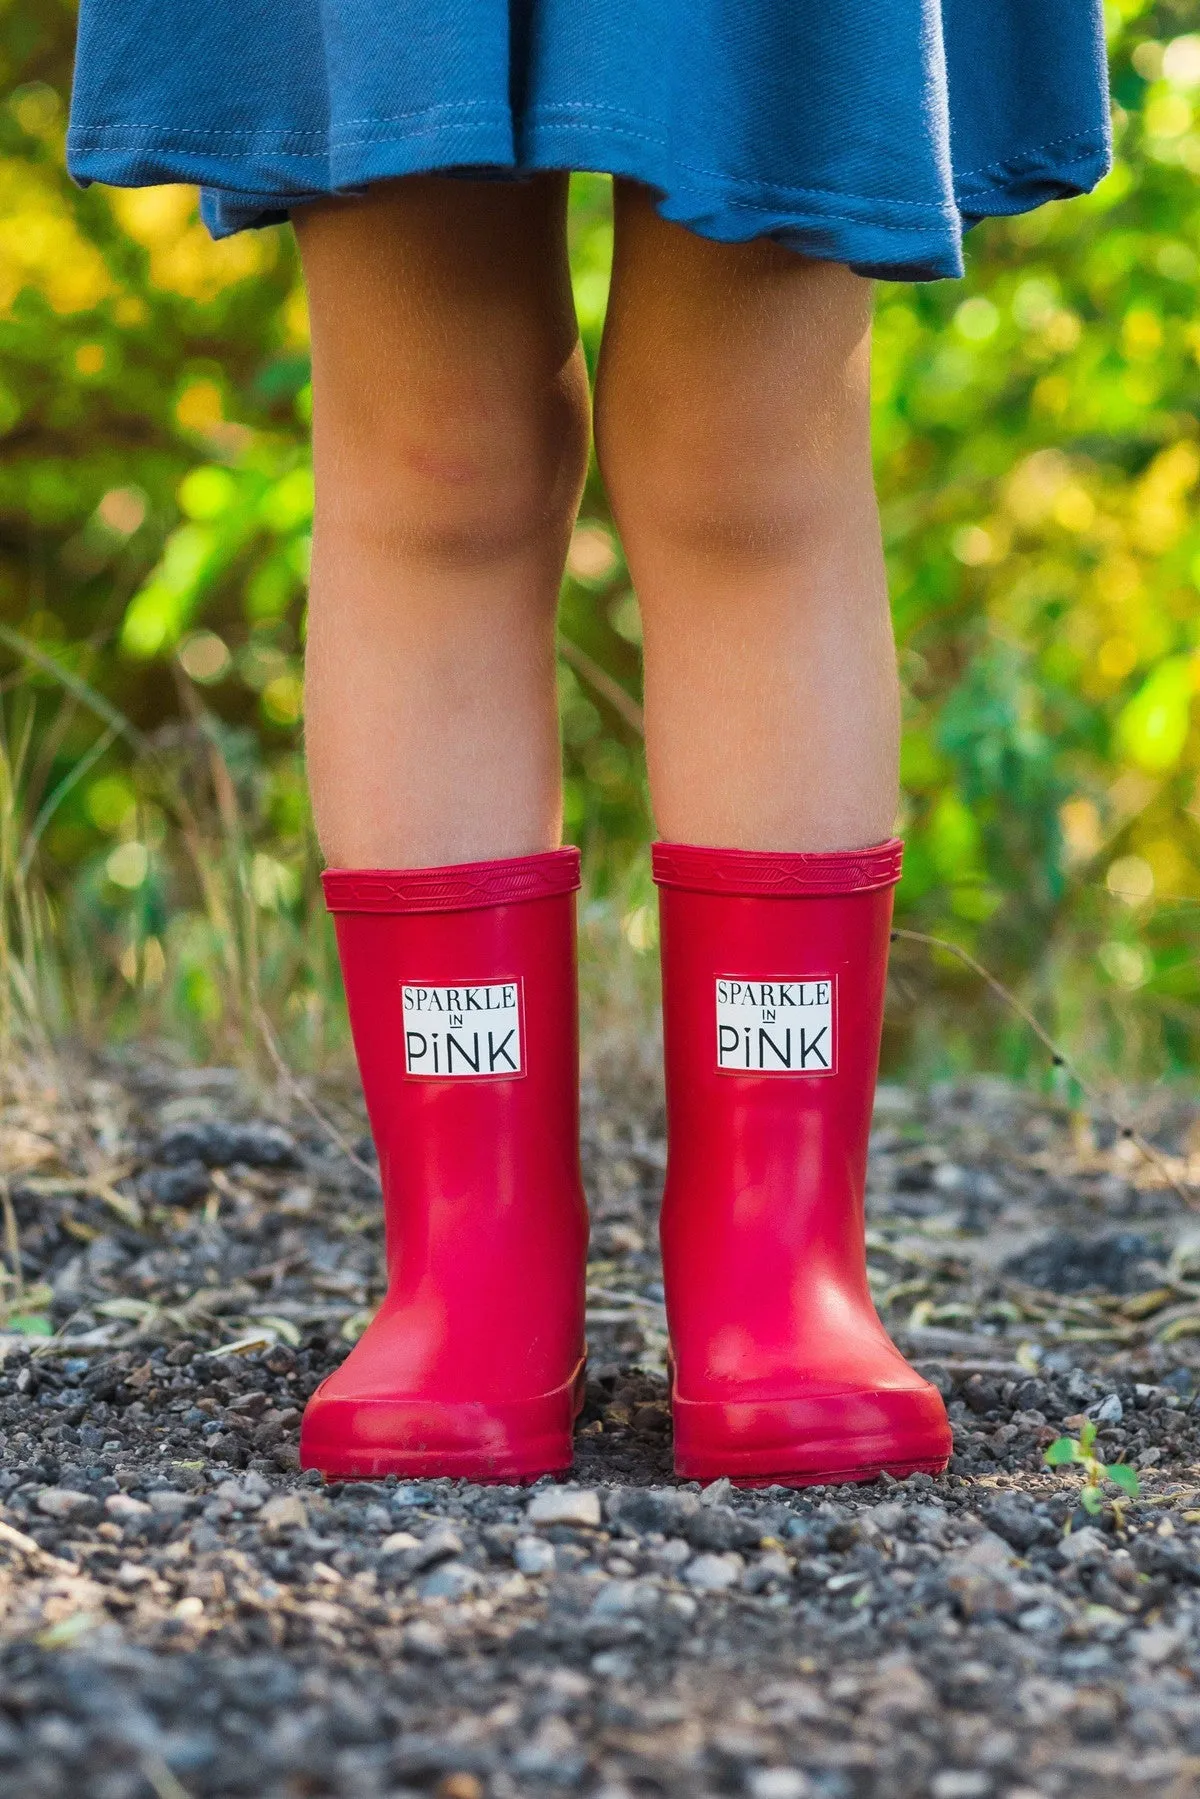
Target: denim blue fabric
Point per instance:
(872, 132)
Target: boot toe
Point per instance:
(816, 1438)
(353, 1436)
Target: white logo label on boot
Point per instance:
(471, 1033)
(777, 1027)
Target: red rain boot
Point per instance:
(461, 987)
(774, 969)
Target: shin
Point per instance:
(732, 430)
(450, 444)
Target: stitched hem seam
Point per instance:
(166, 138)
(463, 117)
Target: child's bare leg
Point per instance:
(450, 441)
(732, 429)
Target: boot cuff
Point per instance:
(774, 874)
(464, 887)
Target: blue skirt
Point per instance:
(871, 132)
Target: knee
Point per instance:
(734, 482)
(712, 514)
(461, 480)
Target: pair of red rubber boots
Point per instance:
(462, 994)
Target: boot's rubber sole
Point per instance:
(820, 1440)
(507, 1442)
(837, 1477)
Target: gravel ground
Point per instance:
(183, 1613)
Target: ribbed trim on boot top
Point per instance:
(462, 887)
(777, 874)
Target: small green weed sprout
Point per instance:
(1081, 1450)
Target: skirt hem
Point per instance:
(255, 178)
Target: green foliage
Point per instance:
(1038, 453)
(1067, 1450)
(23, 1310)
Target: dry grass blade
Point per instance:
(78, 772)
(602, 683)
(1058, 1057)
(75, 685)
(12, 1239)
(158, 1776)
(235, 933)
(296, 1088)
(611, 1296)
(16, 1539)
(99, 1186)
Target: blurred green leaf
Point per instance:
(1123, 1476)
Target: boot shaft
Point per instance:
(461, 989)
(774, 970)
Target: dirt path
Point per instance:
(182, 1613)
